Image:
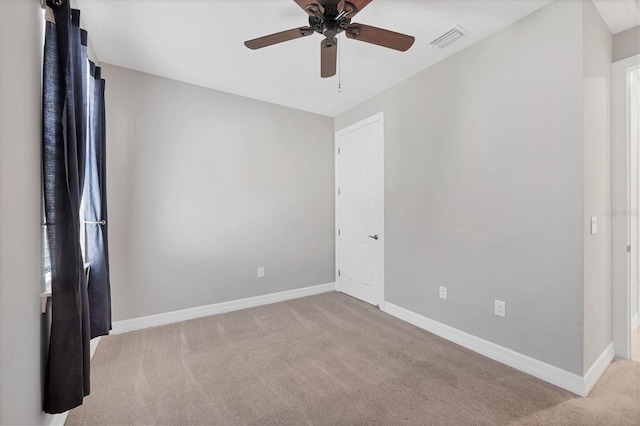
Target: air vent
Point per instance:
(449, 37)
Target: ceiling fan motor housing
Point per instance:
(330, 28)
(332, 21)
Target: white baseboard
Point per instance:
(126, 326)
(547, 372)
(60, 419)
(93, 345)
(598, 368)
(635, 321)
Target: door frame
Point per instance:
(379, 117)
(621, 204)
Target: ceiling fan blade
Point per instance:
(384, 38)
(328, 57)
(271, 39)
(316, 6)
(352, 7)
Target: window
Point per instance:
(47, 258)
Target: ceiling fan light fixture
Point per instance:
(455, 33)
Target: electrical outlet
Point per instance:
(501, 308)
(260, 272)
(443, 292)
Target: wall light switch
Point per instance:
(443, 292)
(260, 272)
(594, 225)
(501, 308)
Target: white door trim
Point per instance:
(621, 214)
(379, 117)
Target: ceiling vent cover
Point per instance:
(449, 37)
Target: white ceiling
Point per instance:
(619, 15)
(201, 42)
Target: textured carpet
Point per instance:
(327, 359)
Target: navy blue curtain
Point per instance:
(66, 119)
(95, 210)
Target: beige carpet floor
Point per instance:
(328, 360)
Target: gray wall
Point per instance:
(626, 43)
(20, 217)
(597, 45)
(205, 187)
(484, 190)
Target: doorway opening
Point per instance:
(625, 107)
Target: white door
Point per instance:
(360, 210)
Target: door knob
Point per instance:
(375, 237)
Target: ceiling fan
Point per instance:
(330, 18)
